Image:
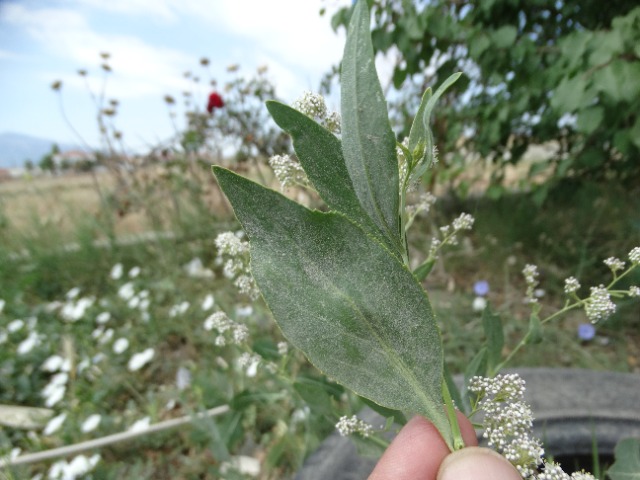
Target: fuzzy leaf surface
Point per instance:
(320, 154)
(627, 464)
(341, 297)
(368, 144)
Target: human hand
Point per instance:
(419, 453)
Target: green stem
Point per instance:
(458, 442)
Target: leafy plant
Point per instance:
(536, 72)
(339, 282)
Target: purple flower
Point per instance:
(481, 288)
(586, 331)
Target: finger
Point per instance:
(418, 450)
(477, 463)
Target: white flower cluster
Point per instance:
(599, 305)
(250, 362)
(615, 264)
(223, 324)
(634, 291)
(531, 274)
(425, 202)
(314, 106)
(349, 425)
(234, 253)
(449, 233)
(288, 171)
(634, 255)
(571, 285)
(508, 423)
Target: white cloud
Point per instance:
(139, 68)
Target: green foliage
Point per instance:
(529, 67)
(379, 338)
(366, 323)
(627, 464)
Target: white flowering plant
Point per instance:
(340, 282)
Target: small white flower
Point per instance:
(106, 336)
(28, 343)
(120, 345)
(53, 394)
(348, 425)
(103, 318)
(53, 363)
(140, 425)
(208, 302)
(615, 264)
(250, 362)
(91, 423)
(134, 272)
(599, 305)
(126, 291)
(179, 309)
(244, 311)
(283, 348)
(196, 269)
(116, 271)
(463, 222)
(139, 360)
(479, 304)
(73, 293)
(571, 285)
(54, 424)
(133, 302)
(634, 291)
(634, 255)
(15, 325)
(288, 171)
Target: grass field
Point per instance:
(85, 304)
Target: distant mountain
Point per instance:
(16, 149)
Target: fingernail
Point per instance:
(477, 463)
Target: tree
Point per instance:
(536, 71)
(47, 162)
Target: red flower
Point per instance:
(215, 101)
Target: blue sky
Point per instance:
(152, 43)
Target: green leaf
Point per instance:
(368, 143)
(320, 154)
(589, 119)
(495, 338)
(419, 127)
(388, 413)
(619, 80)
(504, 37)
(534, 335)
(571, 94)
(627, 464)
(341, 297)
(423, 270)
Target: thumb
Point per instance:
(476, 463)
